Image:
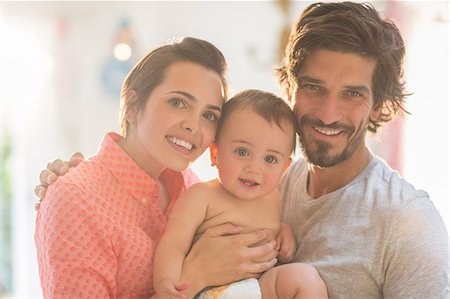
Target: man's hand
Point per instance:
(223, 255)
(286, 243)
(54, 169)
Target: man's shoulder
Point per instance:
(387, 180)
(296, 168)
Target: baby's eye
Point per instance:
(178, 103)
(271, 159)
(242, 152)
(210, 116)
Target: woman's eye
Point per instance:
(271, 159)
(177, 103)
(242, 152)
(212, 117)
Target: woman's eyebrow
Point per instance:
(194, 99)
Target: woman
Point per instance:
(97, 230)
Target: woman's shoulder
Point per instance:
(78, 182)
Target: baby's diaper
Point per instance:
(244, 289)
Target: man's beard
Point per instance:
(316, 152)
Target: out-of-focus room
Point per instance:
(62, 65)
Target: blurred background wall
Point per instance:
(62, 64)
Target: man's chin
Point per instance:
(324, 161)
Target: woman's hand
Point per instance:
(286, 244)
(50, 174)
(223, 255)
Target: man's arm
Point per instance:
(50, 174)
(416, 260)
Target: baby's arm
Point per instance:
(286, 243)
(188, 214)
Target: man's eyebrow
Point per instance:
(359, 88)
(307, 79)
(191, 98)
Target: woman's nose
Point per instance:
(190, 125)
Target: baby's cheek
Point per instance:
(273, 180)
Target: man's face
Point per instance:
(334, 103)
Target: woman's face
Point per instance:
(178, 121)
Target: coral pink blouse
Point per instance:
(98, 227)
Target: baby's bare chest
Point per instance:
(252, 215)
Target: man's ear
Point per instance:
(213, 153)
(376, 112)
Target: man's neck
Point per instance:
(322, 181)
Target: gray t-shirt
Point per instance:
(376, 237)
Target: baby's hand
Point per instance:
(169, 289)
(286, 244)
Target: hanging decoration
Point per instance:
(120, 61)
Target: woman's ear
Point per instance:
(213, 153)
(132, 108)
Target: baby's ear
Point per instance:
(288, 163)
(213, 153)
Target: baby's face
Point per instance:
(252, 154)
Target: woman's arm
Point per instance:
(74, 253)
(223, 255)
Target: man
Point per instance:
(368, 232)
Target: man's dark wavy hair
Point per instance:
(351, 28)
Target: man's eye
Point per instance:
(354, 93)
(271, 159)
(313, 87)
(308, 86)
(177, 103)
(242, 152)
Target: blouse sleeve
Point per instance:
(75, 255)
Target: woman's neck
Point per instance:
(136, 150)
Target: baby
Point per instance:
(254, 142)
